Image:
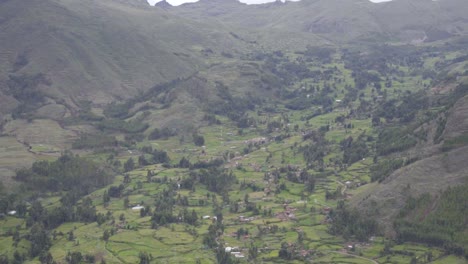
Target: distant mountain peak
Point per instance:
(218, 1)
(214, 3)
(163, 4)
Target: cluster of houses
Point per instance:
(259, 140)
(244, 219)
(287, 214)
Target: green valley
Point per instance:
(217, 132)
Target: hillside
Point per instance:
(100, 51)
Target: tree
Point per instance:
(144, 258)
(142, 161)
(18, 258)
(36, 212)
(129, 165)
(127, 179)
(246, 198)
(375, 121)
(223, 257)
(310, 183)
(354, 150)
(126, 202)
(71, 236)
(21, 209)
(46, 258)
(184, 163)
(253, 251)
(149, 175)
(39, 239)
(286, 252)
(105, 235)
(430, 256)
(105, 197)
(74, 257)
(4, 259)
(198, 140)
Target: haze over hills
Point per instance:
(249, 2)
(101, 50)
(342, 20)
(85, 56)
(328, 131)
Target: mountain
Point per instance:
(340, 20)
(163, 4)
(99, 50)
(108, 50)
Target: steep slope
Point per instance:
(99, 50)
(444, 168)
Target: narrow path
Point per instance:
(355, 256)
(343, 191)
(115, 254)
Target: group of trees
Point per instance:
(131, 127)
(351, 224)
(164, 209)
(68, 173)
(290, 251)
(198, 140)
(216, 179)
(163, 133)
(150, 156)
(314, 153)
(443, 226)
(164, 212)
(93, 141)
(234, 107)
(156, 156)
(41, 220)
(403, 109)
(394, 139)
(25, 89)
(354, 150)
(322, 54)
(382, 169)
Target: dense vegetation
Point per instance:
(351, 224)
(68, 173)
(437, 221)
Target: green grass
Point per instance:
(458, 141)
(450, 260)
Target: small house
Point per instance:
(138, 207)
